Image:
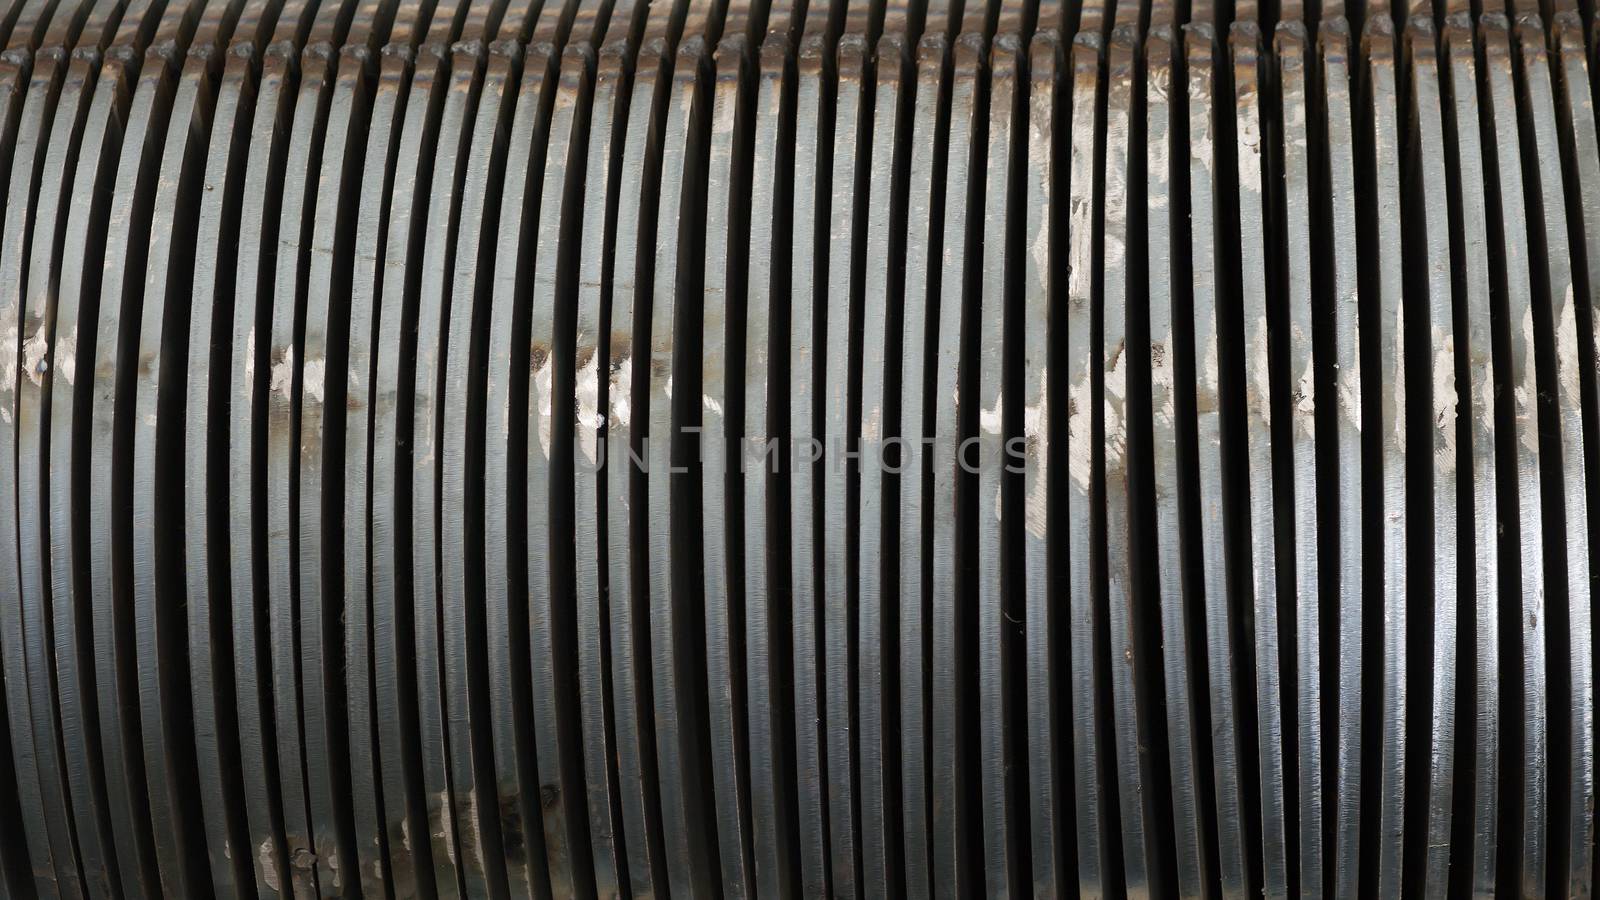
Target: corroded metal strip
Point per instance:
(122, 482)
(1475, 356)
(672, 333)
(504, 433)
(1043, 525)
(1207, 237)
(302, 612)
(72, 486)
(925, 228)
(210, 637)
(287, 849)
(1000, 602)
(952, 768)
(881, 468)
(1569, 842)
(837, 351)
(26, 351)
(115, 457)
(1258, 487)
(1575, 113)
(1091, 763)
(160, 386)
(416, 732)
(247, 826)
(1336, 111)
(254, 80)
(813, 143)
(1293, 52)
(335, 365)
(617, 861)
(760, 388)
(1519, 391)
(1428, 221)
(499, 813)
(728, 187)
(1120, 286)
(631, 637)
(564, 840)
(1163, 112)
(383, 735)
(1385, 423)
(49, 529)
(453, 746)
(344, 817)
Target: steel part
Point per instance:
(606, 448)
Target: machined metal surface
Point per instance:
(798, 448)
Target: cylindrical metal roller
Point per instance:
(798, 448)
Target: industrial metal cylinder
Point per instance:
(798, 448)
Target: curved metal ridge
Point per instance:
(798, 448)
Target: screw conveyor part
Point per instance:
(798, 448)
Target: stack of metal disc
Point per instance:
(798, 448)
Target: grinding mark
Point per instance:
(1305, 394)
(470, 836)
(1041, 242)
(1483, 398)
(1078, 270)
(1080, 452)
(268, 858)
(774, 99)
(1035, 422)
(1201, 148)
(250, 358)
(1163, 385)
(447, 832)
(8, 357)
(66, 361)
(1249, 129)
(1347, 386)
(1158, 85)
(1567, 336)
(314, 377)
(723, 123)
(505, 415)
(1115, 248)
(1523, 394)
(621, 378)
(543, 375)
(282, 375)
(587, 391)
(1116, 395)
(1444, 399)
(991, 420)
(1208, 405)
(34, 352)
(1297, 118)
(711, 404)
(1258, 390)
(1399, 385)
